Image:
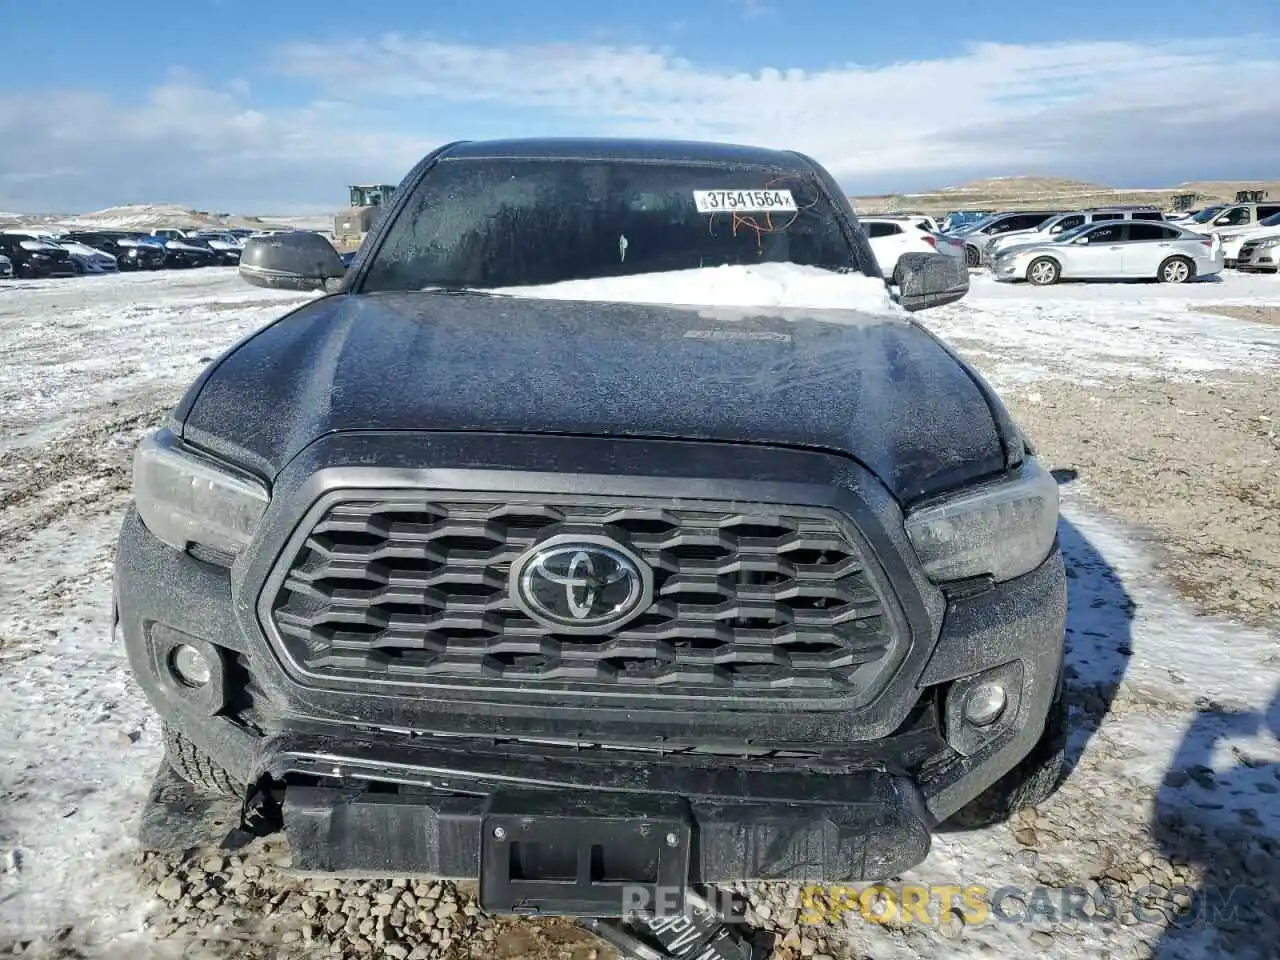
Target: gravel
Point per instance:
(243, 906)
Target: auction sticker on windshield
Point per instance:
(744, 201)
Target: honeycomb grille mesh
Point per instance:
(753, 598)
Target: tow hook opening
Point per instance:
(261, 813)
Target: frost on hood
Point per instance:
(759, 285)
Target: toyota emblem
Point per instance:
(581, 584)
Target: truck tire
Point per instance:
(198, 769)
(1031, 782)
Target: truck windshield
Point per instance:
(528, 222)
(1207, 214)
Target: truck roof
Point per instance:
(623, 148)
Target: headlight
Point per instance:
(183, 498)
(1003, 529)
(1270, 242)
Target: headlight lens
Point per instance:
(184, 499)
(1003, 529)
(1270, 242)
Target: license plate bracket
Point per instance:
(598, 855)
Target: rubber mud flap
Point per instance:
(177, 816)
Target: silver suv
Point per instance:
(1062, 223)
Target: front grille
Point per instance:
(746, 598)
(1247, 249)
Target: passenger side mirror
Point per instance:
(292, 261)
(1084, 239)
(926, 280)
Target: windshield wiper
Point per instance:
(454, 290)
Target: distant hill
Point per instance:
(1026, 192)
(1024, 186)
(149, 216)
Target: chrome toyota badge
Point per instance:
(581, 584)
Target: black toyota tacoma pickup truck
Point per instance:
(568, 594)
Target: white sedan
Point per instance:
(1116, 250)
(891, 238)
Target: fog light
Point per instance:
(984, 704)
(190, 666)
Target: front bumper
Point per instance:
(1009, 269)
(387, 785)
(1255, 258)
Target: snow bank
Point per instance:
(761, 285)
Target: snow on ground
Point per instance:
(1169, 722)
(1083, 331)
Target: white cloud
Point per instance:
(1120, 111)
(67, 151)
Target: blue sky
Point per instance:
(275, 106)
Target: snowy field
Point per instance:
(1175, 755)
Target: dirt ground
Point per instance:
(1192, 464)
(1256, 314)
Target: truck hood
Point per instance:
(878, 388)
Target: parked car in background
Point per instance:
(976, 235)
(891, 237)
(1235, 216)
(85, 258)
(919, 220)
(190, 252)
(958, 218)
(89, 259)
(1064, 223)
(169, 233)
(6, 268)
(36, 259)
(1203, 215)
(1260, 249)
(227, 246)
(130, 254)
(1236, 222)
(1113, 251)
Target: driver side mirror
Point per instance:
(1080, 240)
(926, 280)
(292, 261)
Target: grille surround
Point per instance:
(687, 650)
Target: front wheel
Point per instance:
(1043, 271)
(1176, 270)
(197, 768)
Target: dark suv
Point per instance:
(129, 253)
(572, 594)
(36, 259)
